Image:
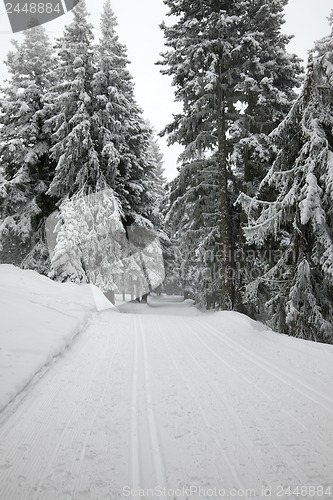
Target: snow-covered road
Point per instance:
(187, 405)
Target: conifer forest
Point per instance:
(247, 223)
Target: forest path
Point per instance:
(173, 402)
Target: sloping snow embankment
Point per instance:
(38, 319)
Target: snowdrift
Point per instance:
(38, 319)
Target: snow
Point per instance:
(174, 305)
(38, 319)
(165, 401)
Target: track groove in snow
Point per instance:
(89, 433)
(60, 443)
(238, 481)
(266, 437)
(280, 430)
(274, 370)
(157, 452)
(133, 458)
(170, 401)
(237, 439)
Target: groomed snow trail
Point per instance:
(173, 402)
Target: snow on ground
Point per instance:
(174, 305)
(169, 406)
(38, 318)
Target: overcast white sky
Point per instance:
(139, 30)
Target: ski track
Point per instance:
(156, 448)
(241, 437)
(274, 370)
(78, 460)
(134, 459)
(272, 437)
(304, 392)
(161, 400)
(239, 482)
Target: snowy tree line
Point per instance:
(250, 212)
(73, 138)
(246, 224)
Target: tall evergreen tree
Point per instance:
(123, 137)
(293, 210)
(71, 106)
(203, 70)
(129, 154)
(101, 142)
(269, 76)
(24, 152)
(90, 239)
(154, 181)
(215, 60)
(159, 165)
(268, 81)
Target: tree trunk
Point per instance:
(124, 289)
(110, 296)
(132, 288)
(145, 272)
(224, 280)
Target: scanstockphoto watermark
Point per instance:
(194, 491)
(231, 273)
(88, 242)
(26, 14)
(229, 255)
(198, 492)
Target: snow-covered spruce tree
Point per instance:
(152, 181)
(269, 76)
(158, 163)
(104, 243)
(66, 259)
(123, 137)
(110, 104)
(147, 237)
(294, 211)
(71, 110)
(172, 262)
(205, 72)
(27, 169)
(268, 80)
(100, 138)
(169, 245)
(221, 54)
(90, 240)
(192, 223)
(125, 142)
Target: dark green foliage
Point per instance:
(235, 81)
(293, 211)
(24, 152)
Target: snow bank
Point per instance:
(38, 319)
(255, 336)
